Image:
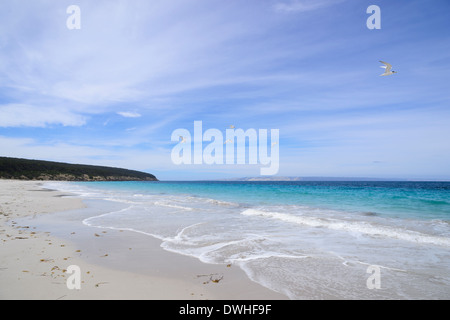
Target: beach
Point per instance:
(113, 264)
(224, 240)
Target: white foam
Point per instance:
(210, 250)
(352, 226)
(221, 203)
(267, 255)
(180, 237)
(171, 205)
(88, 221)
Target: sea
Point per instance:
(304, 239)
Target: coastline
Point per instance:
(114, 264)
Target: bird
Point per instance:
(388, 68)
(232, 126)
(182, 139)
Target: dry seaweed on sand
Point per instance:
(213, 277)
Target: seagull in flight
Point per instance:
(388, 68)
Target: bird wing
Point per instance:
(388, 66)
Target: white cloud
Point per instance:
(128, 114)
(22, 115)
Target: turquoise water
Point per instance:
(302, 239)
(420, 200)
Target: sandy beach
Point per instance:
(34, 263)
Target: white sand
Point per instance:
(33, 263)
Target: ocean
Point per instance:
(307, 240)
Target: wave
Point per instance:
(190, 203)
(221, 203)
(170, 205)
(88, 221)
(361, 227)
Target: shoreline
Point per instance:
(114, 264)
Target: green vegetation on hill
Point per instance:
(23, 169)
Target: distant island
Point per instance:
(277, 178)
(24, 169)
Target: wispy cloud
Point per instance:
(302, 5)
(255, 64)
(128, 114)
(22, 115)
(149, 51)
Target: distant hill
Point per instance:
(23, 169)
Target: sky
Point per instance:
(113, 92)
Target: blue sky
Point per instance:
(113, 92)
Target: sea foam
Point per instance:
(349, 226)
